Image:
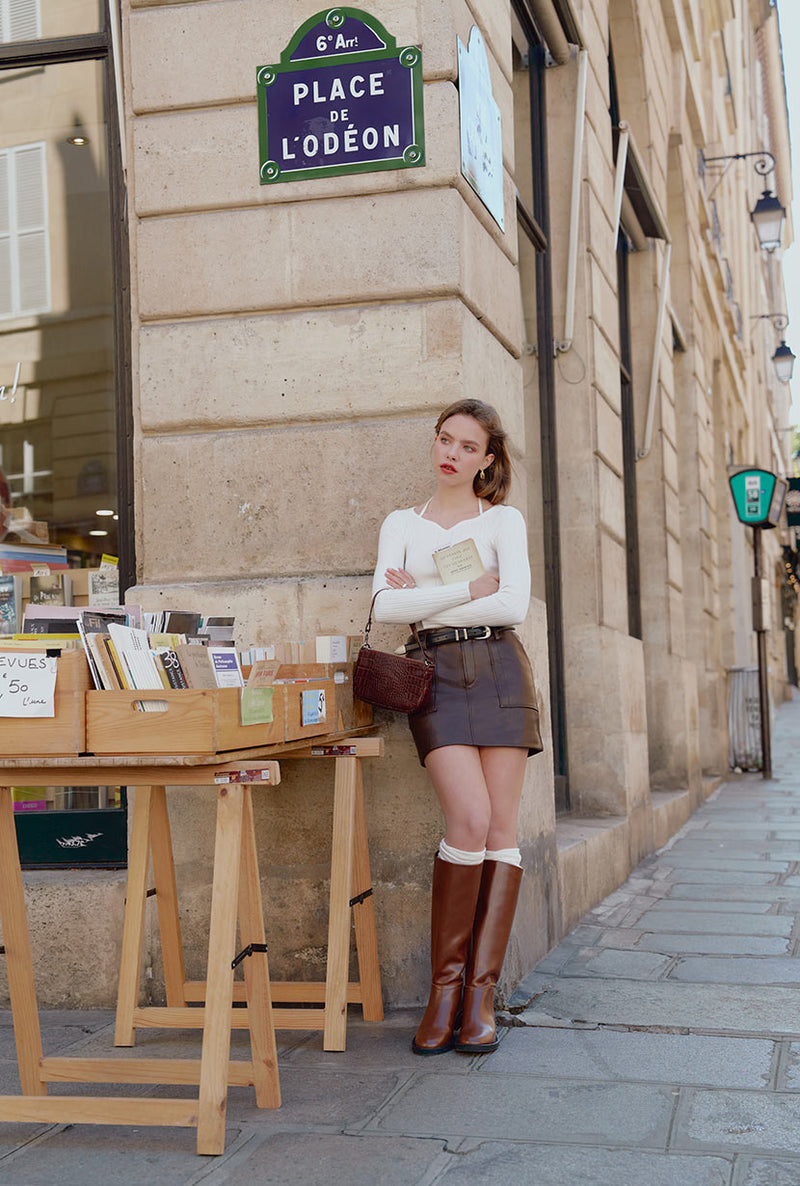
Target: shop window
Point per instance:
(65, 437)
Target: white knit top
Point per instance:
(408, 541)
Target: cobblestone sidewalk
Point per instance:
(658, 1045)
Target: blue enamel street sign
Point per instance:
(342, 99)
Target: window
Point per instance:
(24, 245)
(65, 417)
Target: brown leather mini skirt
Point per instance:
(483, 695)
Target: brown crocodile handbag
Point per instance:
(392, 681)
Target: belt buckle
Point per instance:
(487, 632)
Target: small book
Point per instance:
(49, 590)
(225, 664)
(459, 562)
(171, 664)
(196, 665)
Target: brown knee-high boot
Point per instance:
(497, 902)
(455, 893)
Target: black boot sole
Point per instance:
(439, 1049)
(476, 1048)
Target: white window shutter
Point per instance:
(30, 186)
(24, 237)
(23, 21)
(33, 278)
(5, 196)
(6, 295)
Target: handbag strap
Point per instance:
(412, 626)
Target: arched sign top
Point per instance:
(344, 98)
(336, 33)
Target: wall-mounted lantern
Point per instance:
(768, 214)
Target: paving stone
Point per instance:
(329, 1159)
(706, 901)
(508, 1106)
(736, 1008)
(320, 1096)
(715, 894)
(496, 1163)
(378, 1046)
(713, 944)
(114, 1155)
(716, 923)
(723, 1121)
(767, 1172)
(717, 877)
(631, 965)
(607, 1055)
(696, 861)
(738, 971)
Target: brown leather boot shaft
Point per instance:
(453, 900)
(494, 915)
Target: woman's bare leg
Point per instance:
(458, 778)
(504, 773)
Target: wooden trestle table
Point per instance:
(236, 892)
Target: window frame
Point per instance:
(36, 831)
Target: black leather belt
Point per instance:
(434, 638)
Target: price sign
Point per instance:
(27, 684)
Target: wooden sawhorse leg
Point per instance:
(19, 962)
(133, 929)
(351, 889)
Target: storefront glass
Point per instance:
(59, 488)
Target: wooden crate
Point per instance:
(295, 728)
(195, 721)
(60, 735)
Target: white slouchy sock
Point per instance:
(458, 856)
(508, 856)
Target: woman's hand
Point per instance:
(483, 586)
(398, 578)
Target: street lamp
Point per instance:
(784, 362)
(768, 214)
(767, 217)
(783, 358)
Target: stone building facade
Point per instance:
(291, 347)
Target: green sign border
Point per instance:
(413, 155)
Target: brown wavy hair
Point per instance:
(497, 483)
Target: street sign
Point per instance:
(343, 99)
(758, 497)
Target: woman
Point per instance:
(481, 724)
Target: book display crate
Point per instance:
(189, 721)
(62, 735)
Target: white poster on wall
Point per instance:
(481, 130)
